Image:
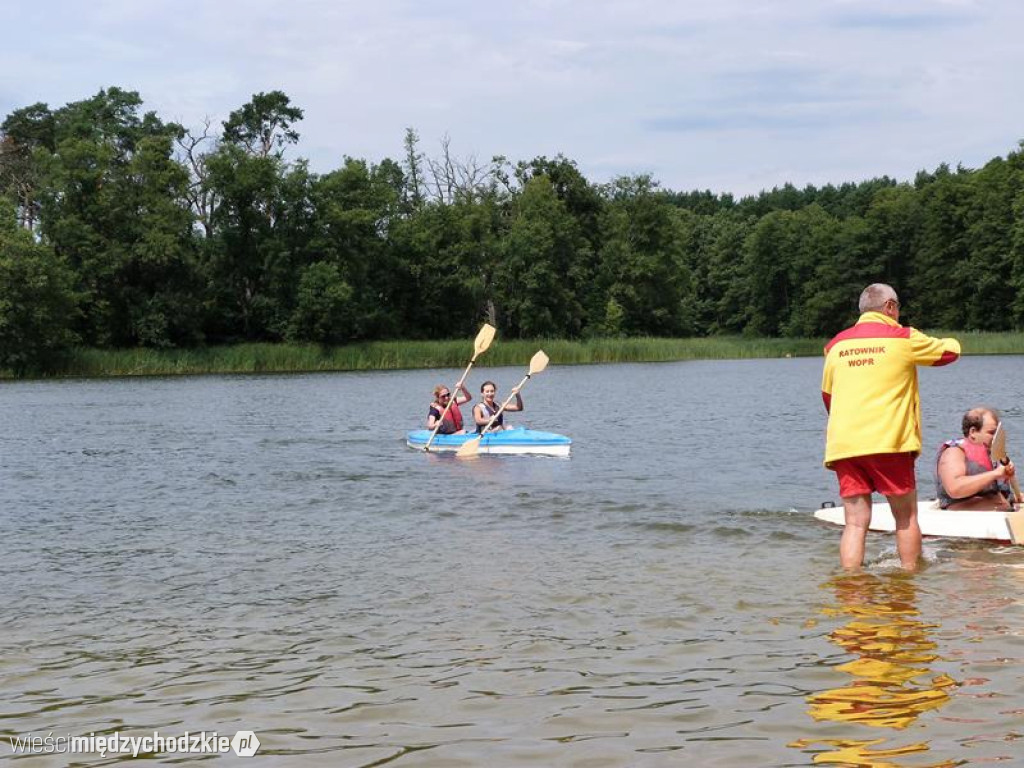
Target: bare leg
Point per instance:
(908, 532)
(857, 511)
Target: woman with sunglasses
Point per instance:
(452, 422)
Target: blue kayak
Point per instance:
(509, 441)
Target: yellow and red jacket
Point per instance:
(869, 386)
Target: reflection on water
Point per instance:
(892, 684)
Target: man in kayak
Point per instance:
(966, 477)
(452, 422)
(869, 386)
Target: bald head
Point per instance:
(977, 417)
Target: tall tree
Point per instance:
(714, 255)
(324, 312)
(543, 267)
(412, 190)
(242, 253)
(894, 223)
(642, 261)
(989, 292)
(357, 206)
(943, 252)
(250, 263)
(263, 126)
(582, 200)
(445, 257)
(1016, 267)
(27, 136)
(114, 207)
(37, 304)
(194, 148)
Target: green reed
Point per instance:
(455, 353)
(986, 342)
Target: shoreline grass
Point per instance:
(398, 355)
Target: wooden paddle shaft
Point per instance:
(1016, 490)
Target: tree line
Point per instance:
(120, 229)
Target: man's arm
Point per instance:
(929, 350)
(826, 385)
(955, 480)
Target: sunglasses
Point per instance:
(443, 395)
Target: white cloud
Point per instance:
(732, 96)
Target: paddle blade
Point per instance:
(998, 447)
(483, 340)
(1015, 522)
(538, 362)
(469, 448)
(998, 451)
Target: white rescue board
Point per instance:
(991, 525)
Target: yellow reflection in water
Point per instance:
(891, 685)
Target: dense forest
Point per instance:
(118, 229)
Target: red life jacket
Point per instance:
(453, 419)
(976, 454)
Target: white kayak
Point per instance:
(507, 441)
(991, 525)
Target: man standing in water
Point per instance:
(874, 424)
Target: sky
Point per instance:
(731, 96)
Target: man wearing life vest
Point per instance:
(965, 475)
(869, 387)
(451, 423)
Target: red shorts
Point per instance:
(890, 474)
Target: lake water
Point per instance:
(265, 554)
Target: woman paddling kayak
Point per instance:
(451, 424)
(484, 411)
